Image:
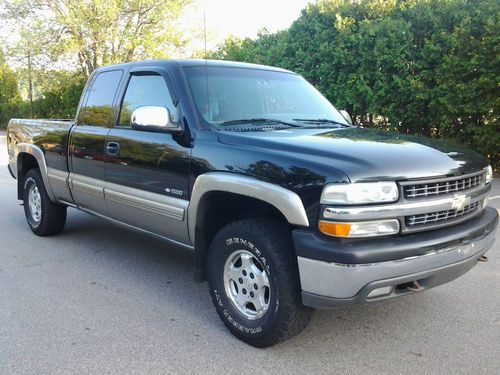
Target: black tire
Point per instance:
(270, 243)
(51, 217)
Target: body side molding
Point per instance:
(170, 207)
(86, 185)
(137, 229)
(286, 201)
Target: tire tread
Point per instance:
(293, 317)
(53, 214)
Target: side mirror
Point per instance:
(346, 115)
(153, 118)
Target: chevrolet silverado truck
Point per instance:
(286, 206)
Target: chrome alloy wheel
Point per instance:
(35, 203)
(246, 284)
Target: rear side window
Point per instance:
(98, 109)
(143, 90)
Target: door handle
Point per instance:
(112, 148)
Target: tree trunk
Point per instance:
(30, 83)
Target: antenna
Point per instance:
(205, 31)
(206, 63)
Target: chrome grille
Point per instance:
(435, 217)
(444, 186)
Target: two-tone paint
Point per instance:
(299, 160)
(156, 181)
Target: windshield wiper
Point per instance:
(256, 121)
(322, 121)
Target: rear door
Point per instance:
(147, 172)
(96, 116)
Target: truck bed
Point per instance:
(51, 136)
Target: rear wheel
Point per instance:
(254, 282)
(44, 217)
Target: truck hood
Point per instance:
(363, 154)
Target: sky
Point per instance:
(244, 18)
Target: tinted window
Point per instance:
(142, 91)
(98, 109)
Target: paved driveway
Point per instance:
(99, 299)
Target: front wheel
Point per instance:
(254, 282)
(44, 217)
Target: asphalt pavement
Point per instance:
(99, 299)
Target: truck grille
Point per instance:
(424, 204)
(441, 216)
(444, 186)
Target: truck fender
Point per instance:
(284, 200)
(37, 153)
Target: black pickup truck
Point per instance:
(285, 204)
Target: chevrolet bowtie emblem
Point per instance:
(459, 202)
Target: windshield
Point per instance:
(226, 95)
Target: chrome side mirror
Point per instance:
(346, 115)
(153, 118)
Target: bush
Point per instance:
(424, 67)
(58, 100)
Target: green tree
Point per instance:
(467, 93)
(59, 95)
(266, 49)
(9, 92)
(429, 67)
(100, 32)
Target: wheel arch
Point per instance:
(29, 156)
(235, 197)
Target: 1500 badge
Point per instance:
(174, 191)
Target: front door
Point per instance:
(147, 172)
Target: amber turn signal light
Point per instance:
(335, 229)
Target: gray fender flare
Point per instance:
(284, 200)
(37, 153)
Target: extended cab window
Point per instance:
(98, 109)
(145, 90)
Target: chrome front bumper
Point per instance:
(328, 284)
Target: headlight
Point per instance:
(489, 174)
(365, 192)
